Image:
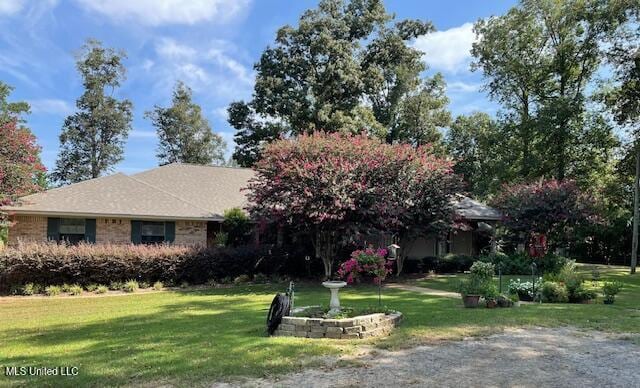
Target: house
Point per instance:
(182, 204)
(179, 203)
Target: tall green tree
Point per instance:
(92, 139)
(538, 60)
(624, 100)
(11, 111)
(471, 141)
(507, 52)
(185, 134)
(347, 67)
(572, 31)
(423, 114)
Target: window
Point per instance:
(152, 232)
(72, 230)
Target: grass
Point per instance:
(449, 282)
(194, 337)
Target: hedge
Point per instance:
(50, 264)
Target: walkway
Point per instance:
(422, 290)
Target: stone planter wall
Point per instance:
(363, 326)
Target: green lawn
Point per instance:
(449, 282)
(196, 337)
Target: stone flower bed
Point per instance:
(363, 326)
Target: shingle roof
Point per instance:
(177, 191)
(209, 187)
(474, 210)
(173, 191)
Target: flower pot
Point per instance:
(525, 296)
(491, 303)
(516, 304)
(471, 300)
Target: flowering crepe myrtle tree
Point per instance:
(548, 208)
(335, 187)
(21, 172)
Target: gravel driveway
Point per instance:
(536, 357)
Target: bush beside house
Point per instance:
(52, 264)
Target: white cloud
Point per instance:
(51, 106)
(462, 87)
(448, 50)
(212, 69)
(33, 12)
(11, 7)
(160, 12)
(236, 68)
(170, 49)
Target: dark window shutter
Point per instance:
(136, 232)
(90, 231)
(169, 231)
(53, 229)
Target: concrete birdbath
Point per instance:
(334, 286)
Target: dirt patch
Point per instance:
(532, 357)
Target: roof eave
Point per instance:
(108, 215)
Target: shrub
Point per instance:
(221, 239)
(490, 291)
(116, 286)
(242, 279)
(52, 290)
(519, 263)
(368, 262)
(158, 286)
(130, 286)
(75, 289)
(553, 292)
(450, 263)
(260, 278)
(31, 289)
(610, 290)
(65, 287)
(524, 289)
(144, 285)
(50, 263)
(102, 289)
(470, 287)
(551, 263)
(482, 271)
(514, 264)
(237, 226)
(91, 287)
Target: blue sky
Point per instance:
(209, 44)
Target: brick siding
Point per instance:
(27, 229)
(113, 230)
(108, 230)
(191, 233)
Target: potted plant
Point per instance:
(610, 290)
(490, 293)
(515, 299)
(471, 290)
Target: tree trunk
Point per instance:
(400, 258)
(325, 244)
(636, 189)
